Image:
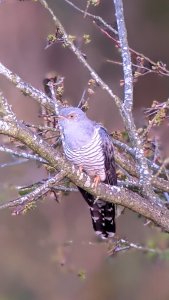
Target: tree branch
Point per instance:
(126, 57)
(22, 154)
(145, 174)
(126, 109)
(37, 193)
(27, 89)
(9, 125)
(146, 207)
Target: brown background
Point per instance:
(35, 263)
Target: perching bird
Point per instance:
(87, 145)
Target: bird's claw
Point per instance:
(96, 181)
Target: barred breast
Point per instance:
(90, 156)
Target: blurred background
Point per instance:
(37, 261)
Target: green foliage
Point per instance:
(28, 206)
(81, 274)
(86, 38)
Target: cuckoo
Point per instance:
(88, 145)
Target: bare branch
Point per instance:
(123, 245)
(155, 67)
(142, 177)
(22, 154)
(37, 193)
(145, 175)
(128, 150)
(156, 212)
(96, 18)
(126, 109)
(5, 110)
(80, 56)
(13, 163)
(27, 89)
(55, 187)
(126, 57)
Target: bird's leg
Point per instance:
(80, 170)
(96, 181)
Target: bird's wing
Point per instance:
(103, 213)
(108, 151)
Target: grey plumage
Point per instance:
(88, 145)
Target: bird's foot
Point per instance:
(96, 181)
(80, 170)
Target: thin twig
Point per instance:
(5, 110)
(145, 175)
(130, 151)
(42, 128)
(102, 24)
(39, 183)
(22, 154)
(134, 65)
(123, 245)
(13, 163)
(37, 193)
(98, 18)
(80, 56)
(126, 110)
(27, 89)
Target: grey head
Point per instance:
(77, 129)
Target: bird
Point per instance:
(88, 146)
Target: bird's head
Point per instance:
(69, 116)
(76, 128)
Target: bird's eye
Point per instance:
(72, 116)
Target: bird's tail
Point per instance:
(103, 215)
